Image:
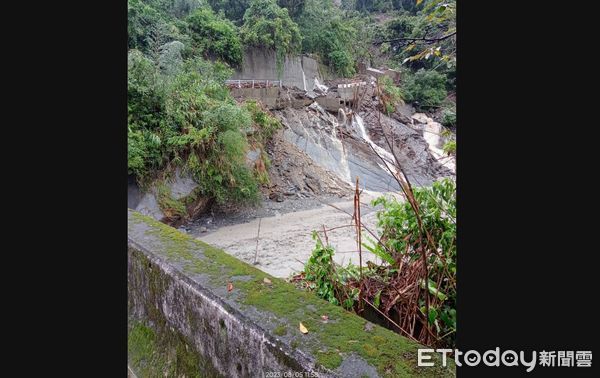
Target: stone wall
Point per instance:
(196, 311)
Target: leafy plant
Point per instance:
(395, 288)
(189, 119)
(450, 147)
(391, 95)
(425, 88)
(265, 123)
(232, 9)
(320, 271)
(449, 117)
(215, 35)
(401, 233)
(269, 26)
(338, 39)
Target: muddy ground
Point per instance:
(285, 240)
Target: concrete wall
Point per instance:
(260, 64)
(271, 97)
(184, 320)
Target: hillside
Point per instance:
(295, 115)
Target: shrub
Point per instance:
(450, 147)
(391, 95)
(330, 35)
(425, 88)
(265, 123)
(215, 35)
(189, 119)
(341, 62)
(269, 26)
(232, 9)
(150, 25)
(449, 117)
(400, 234)
(401, 248)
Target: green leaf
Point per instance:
(434, 291)
(377, 299)
(432, 314)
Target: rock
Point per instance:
(341, 118)
(182, 185)
(252, 156)
(420, 118)
(203, 229)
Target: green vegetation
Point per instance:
(344, 332)
(232, 9)
(320, 271)
(391, 95)
(450, 147)
(418, 37)
(151, 354)
(268, 26)
(215, 35)
(425, 88)
(266, 124)
(449, 117)
(400, 235)
(332, 35)
(280, 330)
(400, 248)
(189, 119)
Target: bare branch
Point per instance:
(422, 39)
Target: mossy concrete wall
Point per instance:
(261, 64)
(183, 320)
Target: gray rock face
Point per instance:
(180, 186)
(134, 195)
(149, 206)
(338, 145)
(411, 148)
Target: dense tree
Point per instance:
(232, 9)
(215, 35)
(269, 26)
(430, 34)
(426, 87)
(149, 26)
(294, 7)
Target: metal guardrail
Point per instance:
(254, 83)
